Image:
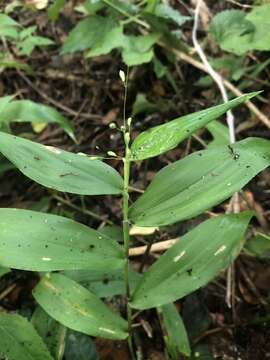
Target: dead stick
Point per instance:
(157, 247)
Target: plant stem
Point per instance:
(126, 161)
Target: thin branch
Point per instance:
(215, 76)
(235, 206)
(56, 103)
(157, 247)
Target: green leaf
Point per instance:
(27, 32)
(259, 245)
(138, 49)
(59, 169)
(176, 337)
(159, 69)
(10, 64)
(77, 308)
(51, 242)
(19, 340)
(80, 347)
(27, 110)
(55, 8)
(167, 12)
(142, 105)
(151, 5)
(132, 58)
(6, 20)
(203, 179)
(233, 66)
(232, 31)
(260, 18)
(27, 45)
(8, 27)
(220, 134)
(114, 232)
(111, 40)
(52, 333)
(91, 6)
(87, 33)
(193, 261)
(167, 136)
(238, 32)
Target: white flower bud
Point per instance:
(122, 76)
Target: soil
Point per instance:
(90, 93)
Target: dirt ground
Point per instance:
(90, 94)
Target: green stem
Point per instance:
(126, 161)
(125, 13)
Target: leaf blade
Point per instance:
(19, 340)
(52, 333)
(87, 33)
(201, 180)
(167, 136)
(54, 243)
(29, 111)
(192, 261)
(59, 169)
(78, 309)
(176, 338)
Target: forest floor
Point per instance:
(90, 93)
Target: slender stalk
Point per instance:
(126, 245)
(125, 103)
(126, 161)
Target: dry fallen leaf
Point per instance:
(38, 4)
(139, 230)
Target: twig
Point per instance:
(244, 6)
(56, 103)
(157, 247)
(230, 121)
(251, 285)
(215, 76)
(132, 188)
(212, 332)
(7, 291)
(84, 211)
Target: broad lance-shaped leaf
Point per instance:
(19, 340)
(35, 241)
(192, 261)
(203, 179)
(60, 170)
(176, 338)
(29, 111)
(167, 136)
(77, 308)
(52, 333)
